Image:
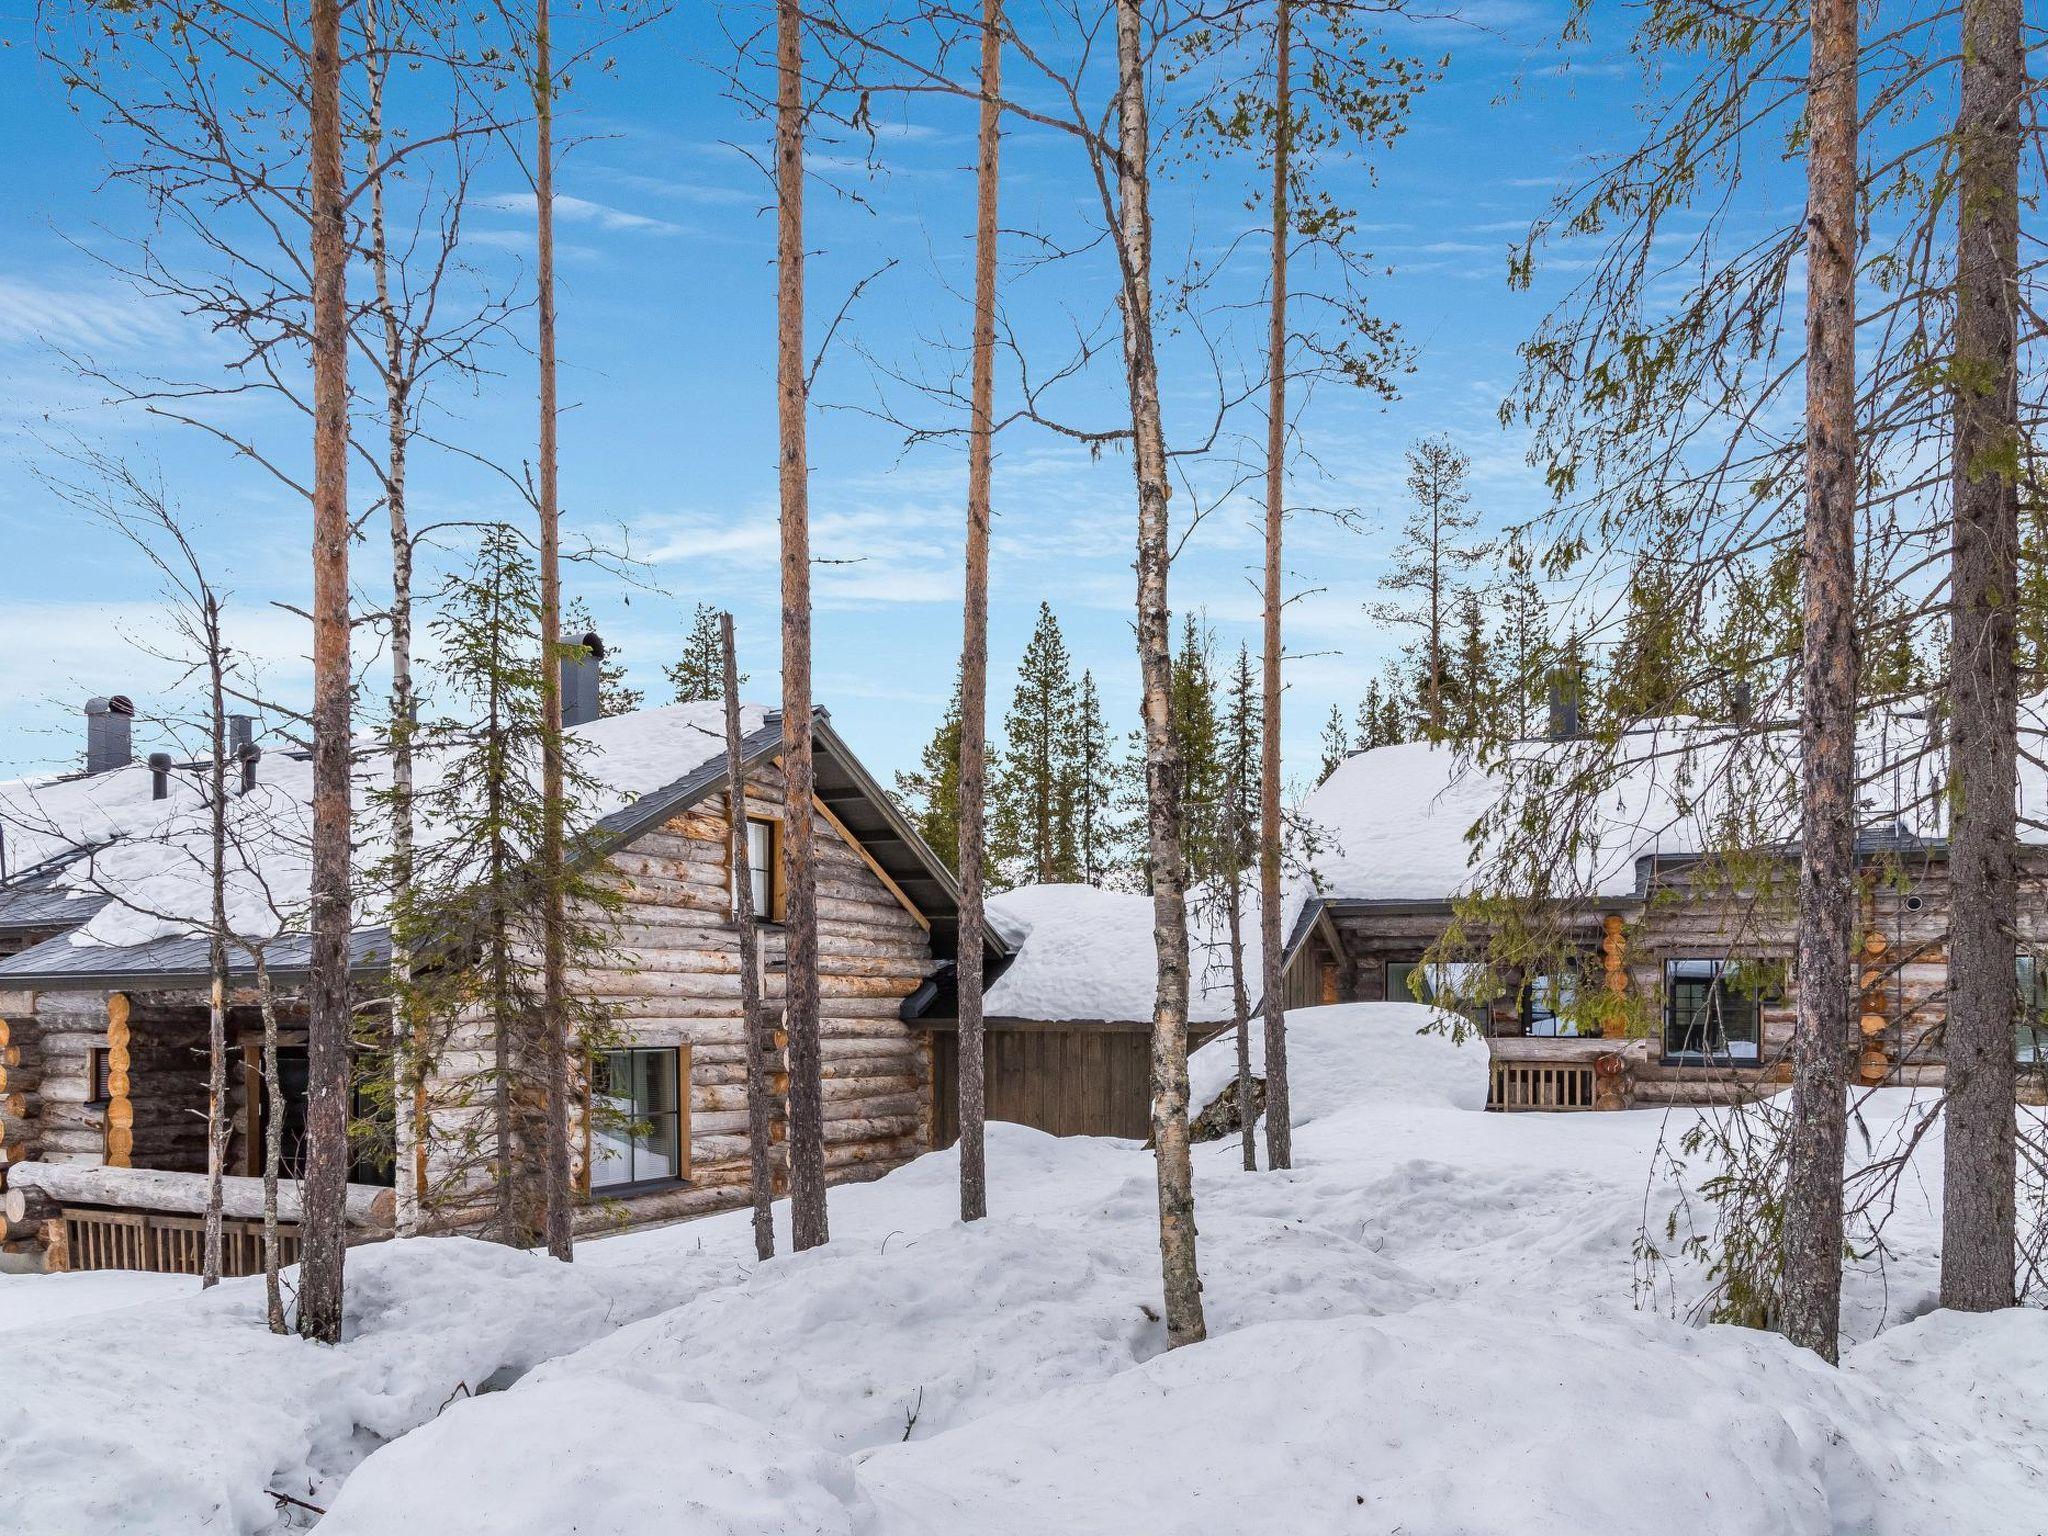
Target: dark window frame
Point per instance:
(768, 896)
(679, 1117)
(98, 1071)
(1573, 976)
(1719, 994)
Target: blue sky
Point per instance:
(667, 334)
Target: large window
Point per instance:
(1547, 1001)
(636, 1132)
(1712, 1012)
(1454, 986)
(764, 857)
(2030, 1032)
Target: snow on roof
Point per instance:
(1087, 953)
(152, 856)
(1396, 823)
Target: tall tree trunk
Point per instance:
(328, 1040)
(1824, 1036)
(1977, 1215)
(974, 637)
(554, 919)
(408, 1031)
(760, 1175)
(1279, 1126)
(800, 878)
(217, 943)
(1179, 1272)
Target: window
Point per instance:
(764, 869)
(636, 1122)
(2030, 1031)
(1454, 987)
(1712, 1011)
(97, 1093)
(1547, 999)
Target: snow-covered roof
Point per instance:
(1396, 823)
(150, 858)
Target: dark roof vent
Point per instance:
(249, 754)
(159, 775)
(108, 739)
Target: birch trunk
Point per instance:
(760, 1175)
(1825, 1033)
(1241, 1010)
(974, 636)
(273, 1144)
(1180, 1276)
(1279, 1126)
(407, 1030)
(554, 1022)
(800, 895)
(1977, 1214)
(216, 945)
(328, 1025)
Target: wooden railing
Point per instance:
(1559, 1074)
(1542, 1085)
(167, 1245)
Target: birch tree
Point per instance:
(760, 1173)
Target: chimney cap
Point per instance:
(594, 643)
(160, 761)
(117, 704)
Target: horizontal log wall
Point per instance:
(670, 977)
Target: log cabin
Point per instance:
(104, 986)
(1660, 968)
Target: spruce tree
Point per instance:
(1198, 733)
(478, 883)
(1521, 646)
(1473, 691)
(1095, 778)
(698, 675)
(1435, 551)
(1032, 793)
(1336, 743)
(932, 792)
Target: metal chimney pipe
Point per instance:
(250, 755)
(1744, 701)
(580, 677)
(108, 743)
(159, 775)
(241, 733)
(1564, 711)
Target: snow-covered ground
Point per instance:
(1432, 1325)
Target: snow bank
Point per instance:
(180, 1415)
(27, 1301)
(616, 1455)
(1351, 1054)
(1448, 1419)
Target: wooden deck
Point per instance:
(1561, 1075)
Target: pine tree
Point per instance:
(615, 696)
(1650, 669)
(1336, 743)
(933, 791)
(697, 676)
(1436, 549)
(1032, 793)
